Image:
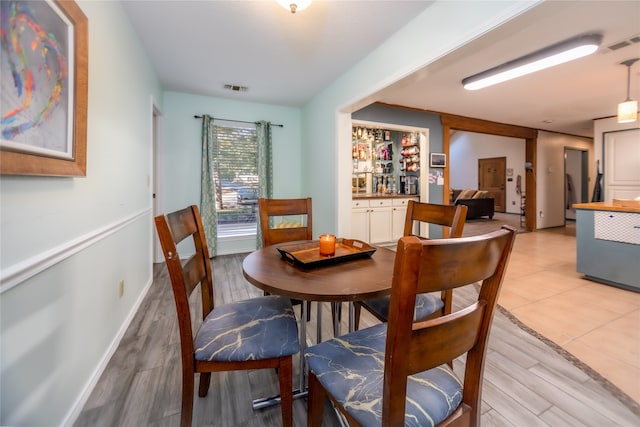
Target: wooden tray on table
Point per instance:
(307, 254)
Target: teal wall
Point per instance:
(67, 242)
(180, 150)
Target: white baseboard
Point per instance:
(82, 399)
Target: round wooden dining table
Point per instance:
(352, 280)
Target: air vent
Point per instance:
(236, 88)
(624, 43)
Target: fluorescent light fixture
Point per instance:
(548, 57)
(294, 5)
(628, 110)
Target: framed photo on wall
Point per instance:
(438, 160)
(44, 81)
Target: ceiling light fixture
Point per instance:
(559, 53)
(294, 5)
(628, 110)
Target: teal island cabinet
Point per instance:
(608, 243)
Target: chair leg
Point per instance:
(205, 380)
(285, 375)
(187, 398)
(308, 310)
(356, 315)
(315, 402)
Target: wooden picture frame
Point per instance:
(49, 138)
(438, 160)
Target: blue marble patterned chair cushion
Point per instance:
(351, 369)
(257, 328)
(426, 304)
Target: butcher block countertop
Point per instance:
(616, 205)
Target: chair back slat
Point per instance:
(182, 224)
(445, 339)
(280, 235)
(194, 273)
(458, 263)
(270, 208)
(451, 217)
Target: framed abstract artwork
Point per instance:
(44, 78)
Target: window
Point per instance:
(236, 170)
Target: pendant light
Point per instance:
(628, 110)
(294, 5)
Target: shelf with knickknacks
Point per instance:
(368, 149)
(375, 154)
(384, 180)
(409, 164)
(372, 155)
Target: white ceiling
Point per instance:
(284, 59)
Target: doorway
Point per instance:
(452, 122)
(576, 180)
(492, 178)
(156, 126)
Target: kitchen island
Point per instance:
(608, 242)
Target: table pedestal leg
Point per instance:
(303, 346)
(319, 324)
(352, 317)
(337, 318)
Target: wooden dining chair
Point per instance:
(286, 220)
(251, 334)
(452, 218)
(398, 375)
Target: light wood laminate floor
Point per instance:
(528, 381)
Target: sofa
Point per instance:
(478, 202)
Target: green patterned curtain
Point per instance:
(208, 184)
(265, 168)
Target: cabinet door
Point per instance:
(360, 224)
(398, 217)
(380, 224)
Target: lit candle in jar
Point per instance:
(327, 245)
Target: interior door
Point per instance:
(576, 179)
(492, 178)
(622, 165)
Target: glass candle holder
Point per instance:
(327, 245)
